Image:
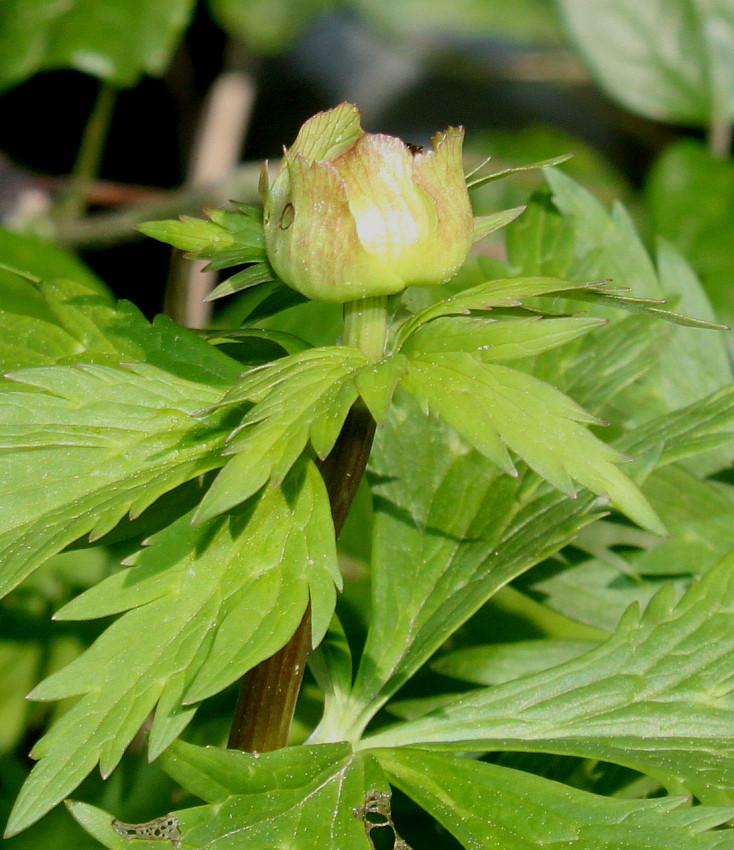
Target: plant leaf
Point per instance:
(535, 420)
(494, 340)
(690, 202)
(216, 599)
(487, 805)
(666, 60)
(486, 224)
(296, 797)
(301, 397)
(84, 445)
(450, 530)
(495, 663)
(656, 697)
(120, 43)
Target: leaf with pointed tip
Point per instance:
(300, 398)
(203, 604)
(487, 805)
(655, 697)
(507, 292)
(245, 279)
(540, 424)
(499, 175)
(297, 797)
(228, 238)
(486, 224)
(84, 445)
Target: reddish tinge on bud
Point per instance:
(352, 214)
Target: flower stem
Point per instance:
(365, 325)
(268, 693)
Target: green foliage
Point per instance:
(690, 198)
(485, 805)
(117, 41)
(665, 59)
(213, 619)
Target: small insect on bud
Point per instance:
(352, 214)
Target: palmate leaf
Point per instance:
(81, 446)
(493, 406)
(486, 805)
(300, 398)
(297, 797)
(203, 605)
(657, 697)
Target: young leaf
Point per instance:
(203, 605)
(295, 797)
(492, 406)
(486, 224)
(655, 697)
(302, 397)
(487, 805)
(84, 445)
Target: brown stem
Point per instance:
(268, 693)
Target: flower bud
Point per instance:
(353, 214)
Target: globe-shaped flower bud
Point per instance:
(353, 214)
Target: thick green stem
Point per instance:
(72, 202)
(268, 693)
(365, 325)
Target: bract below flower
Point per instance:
(353, 214)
